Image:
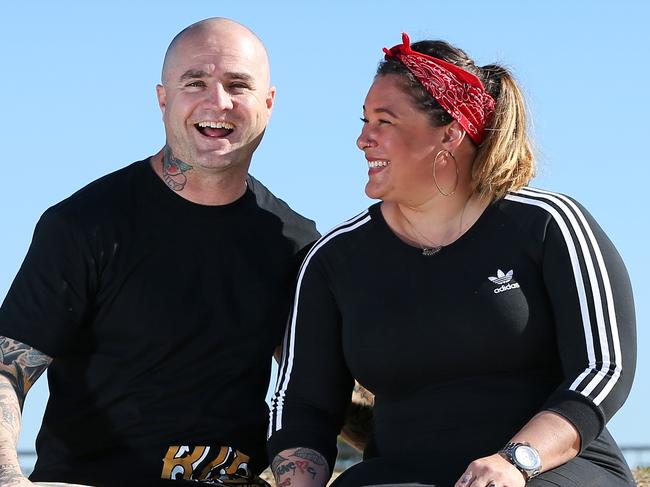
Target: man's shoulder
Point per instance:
(104, 192)
(107, 198)
(296, 227)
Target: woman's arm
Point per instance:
(556, 440)
(592, 306)
(314, 383)
(300, 467)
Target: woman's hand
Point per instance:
(556, 440)
(492, 471)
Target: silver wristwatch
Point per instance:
(524, 457)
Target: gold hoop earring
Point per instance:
(435, 180)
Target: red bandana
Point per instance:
(460, 93)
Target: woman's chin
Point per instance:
(373, 191)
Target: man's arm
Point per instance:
(358, 424)
(20, 366)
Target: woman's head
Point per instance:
(487, 103)
(400, 144)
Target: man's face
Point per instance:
(215, 98)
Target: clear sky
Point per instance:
(78, 101)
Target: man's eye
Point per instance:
(196, 84)
(239, 86)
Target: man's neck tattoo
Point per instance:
(173, 170)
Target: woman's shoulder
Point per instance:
(346, 238)
(348, 229)
(536, 210)
(541, 204)
(540, 198)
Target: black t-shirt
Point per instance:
(161, 316)
(531, 309)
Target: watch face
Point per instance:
(526, 457)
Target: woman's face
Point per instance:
(399, 144)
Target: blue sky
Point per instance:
(78, 101)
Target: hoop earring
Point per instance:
(435, 180)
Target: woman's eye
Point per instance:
(381, 121)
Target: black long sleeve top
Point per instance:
(531, 309)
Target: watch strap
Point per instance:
(508, 452)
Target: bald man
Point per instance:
(156, 295)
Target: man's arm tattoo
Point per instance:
(21, 365)
(9, 412)
(361, 395)
(358, 424)
(10, 474)
(173, 170)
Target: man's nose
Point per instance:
(219, 97)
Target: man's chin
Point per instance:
(217, 162)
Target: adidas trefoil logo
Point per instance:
(503, 279)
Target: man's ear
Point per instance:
(270, 99)
(162, 97)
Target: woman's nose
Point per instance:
(364, 140)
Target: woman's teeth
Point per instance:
(378, 163)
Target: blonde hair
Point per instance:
(504, 161)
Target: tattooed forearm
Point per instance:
(310, 455)
(361, 395)
(21, 365)
(300, 467)
(277, 461)
(10, 474)
(9, 412)
(358, 424)
(173, 170)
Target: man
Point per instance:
(157, 294)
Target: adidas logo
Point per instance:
(503, 279)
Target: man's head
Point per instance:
(215, 95)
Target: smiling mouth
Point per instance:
(214, 129)
(377, 163)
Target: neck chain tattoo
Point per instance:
(173, 170)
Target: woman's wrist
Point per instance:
(300, 467)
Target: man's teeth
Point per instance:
(216, 125)
(378, 163)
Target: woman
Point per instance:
(493, 322)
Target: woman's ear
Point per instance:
(453, 136)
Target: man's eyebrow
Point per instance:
(194, 74)
(240, 76)
(200, 73)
